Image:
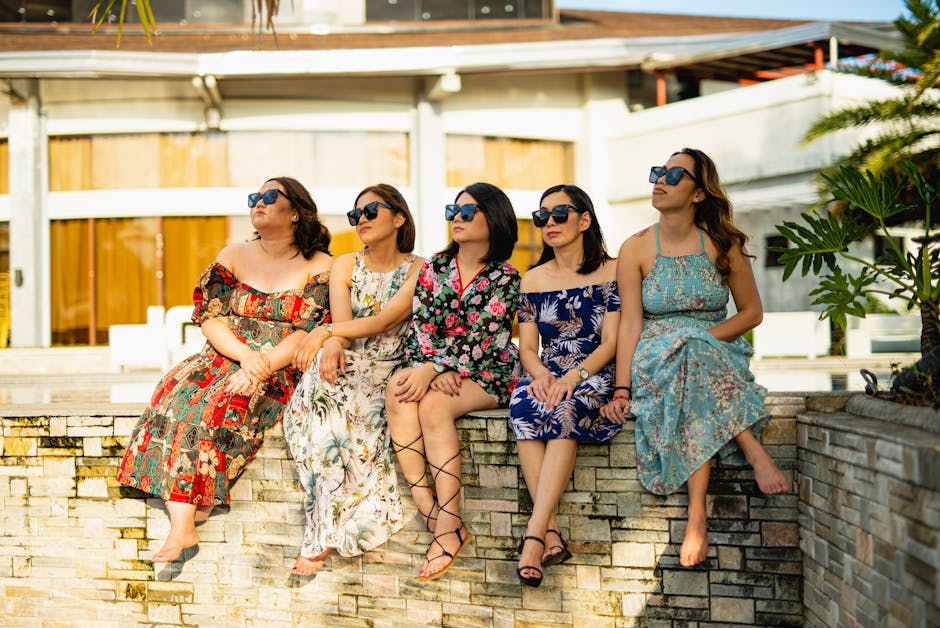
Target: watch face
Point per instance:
(439, 367)
(583, 373)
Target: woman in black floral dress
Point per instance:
(461, 358)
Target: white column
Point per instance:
(603, 109)
(30, 311)
(428, 176)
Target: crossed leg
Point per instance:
(437, 413)
(547, 467)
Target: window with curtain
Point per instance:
(507, 162)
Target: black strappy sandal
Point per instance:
(428, 517)
(530, 581)
(442, 507)
(561, 557)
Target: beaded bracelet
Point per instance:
(624, 397)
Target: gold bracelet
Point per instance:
(329, 330)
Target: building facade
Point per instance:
(124, 170)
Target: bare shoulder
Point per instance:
(233, 256)
(319, 263)
(416, 265)
(533, 280)
(638, 244)
(607, 271)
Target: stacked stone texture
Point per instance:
(870, 521)
(74, 544)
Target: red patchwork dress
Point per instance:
(195, 439)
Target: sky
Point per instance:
(833, 10)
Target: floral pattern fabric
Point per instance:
(338, 435)
(195, 439)
(569, 323)
(467, 325)
(692, 393)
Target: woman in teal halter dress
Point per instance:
(689, 386)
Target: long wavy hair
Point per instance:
(311, 235)
(595, 249)
(393, 198)
(713, 214)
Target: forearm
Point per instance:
(281, 355)
(223, 340)
(599, 358)
(531, 363)
(737, 325)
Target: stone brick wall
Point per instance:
(870, 521)
(74, 545)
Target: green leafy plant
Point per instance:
(863, 203)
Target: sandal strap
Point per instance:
(436, 472)
(444, 552)
(564, 543)
(529, 538)
(397, 448)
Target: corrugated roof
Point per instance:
(574, 25)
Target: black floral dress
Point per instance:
(195, 439)
(466, 324)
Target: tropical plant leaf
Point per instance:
(843, 295)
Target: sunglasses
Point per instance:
(559, 213)
(369, 210)
(467, 212)
(268, 197)
(673, 175)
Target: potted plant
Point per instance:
(860, 205)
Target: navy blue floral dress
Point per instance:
(569, 324)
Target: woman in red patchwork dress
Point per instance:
(208, 415)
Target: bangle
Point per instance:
(624, 397)
(626, 388)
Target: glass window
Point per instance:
(772, 258)
(508, 162)
(170, 160)
(391, 10)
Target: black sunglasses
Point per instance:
(673, 175)
(268, 197)
(559, 213)
(467, 212)
(369, 210)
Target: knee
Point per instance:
(435, 413)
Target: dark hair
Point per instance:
(713, 214)
(500, 218)
(595, 249)
(311, 235)
(392, 197)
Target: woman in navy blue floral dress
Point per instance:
(570, 302)
(692, 391)
(460, 358)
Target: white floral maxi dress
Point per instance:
(338, 436)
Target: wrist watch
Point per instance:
(583, 374)
(439, 368)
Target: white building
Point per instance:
(124, 170)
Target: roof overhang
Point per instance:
(724, 56)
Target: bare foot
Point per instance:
(769, 478)
(695, 544)
(310, 566)
(174, 546)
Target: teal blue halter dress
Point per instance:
(692, 393)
